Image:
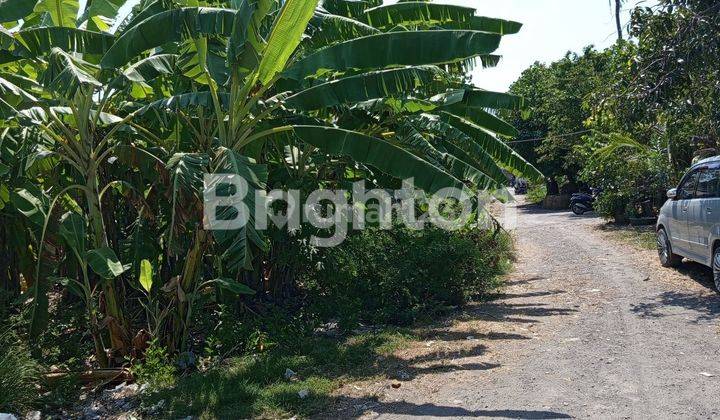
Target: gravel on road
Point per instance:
(587, 327)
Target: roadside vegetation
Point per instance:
(110, 125)
(642, 237)
(629, 119)
(536, 193)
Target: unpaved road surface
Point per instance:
(588, 327)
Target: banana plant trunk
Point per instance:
(117, 325)
(187, 285)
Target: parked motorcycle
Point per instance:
(521, 186)
(581, 203)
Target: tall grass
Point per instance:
(19, 374)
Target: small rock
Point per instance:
(470, 337)
(119, 387)
(646, 279)
(143, 388)
(7, 416)
(303, 393)
(91, 414)
(186, 360)
(156, 408)
(33, 415)
(289, 373)
(706, 374)
(403, 376)
(396, 385)
(127, 406)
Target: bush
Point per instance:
(400, 275)
(632, 186)
(156, 370)
(19, 374)
(536, 193)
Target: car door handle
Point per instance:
(708, 209)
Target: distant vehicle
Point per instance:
(521, 186)
(581, 203)
(689, 222)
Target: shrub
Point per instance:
(631, 186)
(399, 275)
(156, 370)
(19, 374)
(536, 193)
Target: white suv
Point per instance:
(689, 222)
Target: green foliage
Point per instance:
(558, 103)
(657, 92)
(400, 275)
(19, 374)
(536, 193)
(108, 132)
(156, 369)
(629, 174)
(255, 385)
(643, 237)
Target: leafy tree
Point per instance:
(557, 99)
(124, 119)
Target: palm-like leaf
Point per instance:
(66, 74)
(413, 13)
(327, 29)
(397, 48)
(465, 147)
(363, 87)
(488, 24)
(411, 137)
(101, 14)
(475, 98)
(498, 149)
(349, 8)
(38, 41)
(13, 10)
(62, 12)
(285, 37)
(235, 244)
(381, 154)
(169, 26)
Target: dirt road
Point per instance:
(588, 327)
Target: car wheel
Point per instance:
(578, 210)
(667, 258)
(716, 268)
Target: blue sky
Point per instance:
(552, 28)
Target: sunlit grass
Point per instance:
(255, 385)
(642, 237)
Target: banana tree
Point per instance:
(268, 73)
(68, 103)
(249, 88)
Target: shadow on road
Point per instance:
(433, 410)
(698, 272)
(703, 305)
